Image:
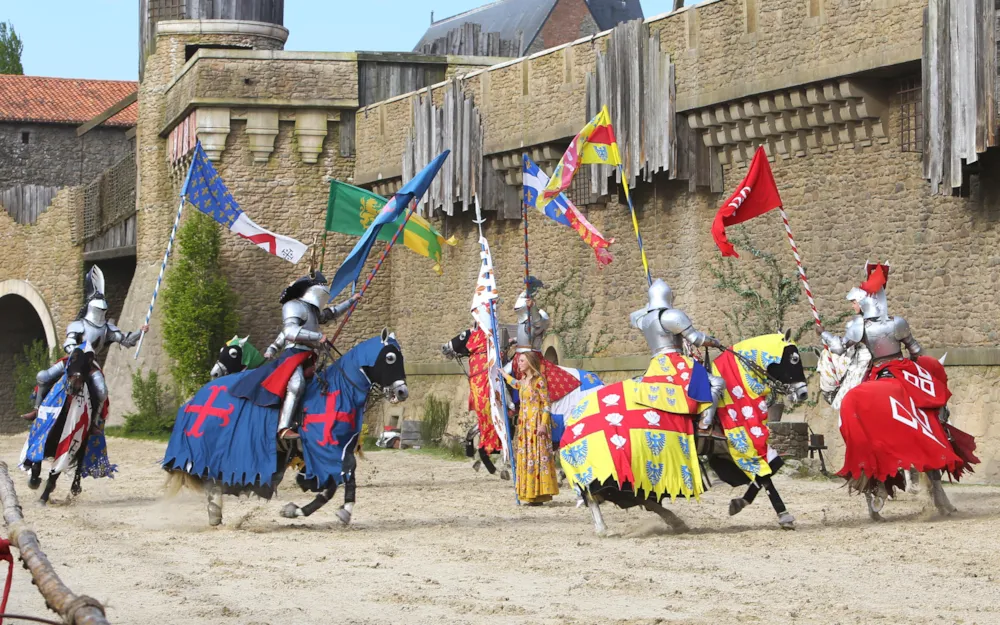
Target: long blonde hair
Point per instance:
(530, 366)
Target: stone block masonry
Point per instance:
(52, 155)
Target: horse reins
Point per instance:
(770, 380)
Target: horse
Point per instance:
(844, 379)
(235, 356)
(223, 444)
(621, 445)
(66, 432)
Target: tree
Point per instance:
(11, 47)
(199, 310)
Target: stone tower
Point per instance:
(172, 32)
(152, 12)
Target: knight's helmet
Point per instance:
(870, 296)
(661, 296)
(97, 306)
(311, 289)
(531, 322)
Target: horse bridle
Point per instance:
(777, 385)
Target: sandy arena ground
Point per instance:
(434, 542)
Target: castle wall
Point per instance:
(54, 156)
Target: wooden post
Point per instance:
(73, 609)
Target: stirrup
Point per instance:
(288, 434)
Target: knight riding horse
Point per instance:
(71, 400)
(897, 417)
(471, 344)
(283, 380)
(223, 443)
(633, 443)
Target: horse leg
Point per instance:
(736, 505)
(913, 481)
(292, 510)
(213, 492)
(35, 480)
(785, 519)
(485, 459)
(938, 496)
(350, 491)
(671, 519)
(595, 511)
(50, 485)
(876, 502)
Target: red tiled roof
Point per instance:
(64, 100)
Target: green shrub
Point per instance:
(155, 409)
(199, 310)
(33, 359)
(435, 420)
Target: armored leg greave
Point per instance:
(46, 378)
(718, 386)
(293, 397)
(98, 395)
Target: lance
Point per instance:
(635, 224)
(166, 257)
(496, 347)
(378, 265)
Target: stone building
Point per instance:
(519, 27)
(850, 99)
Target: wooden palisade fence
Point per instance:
(73, 609)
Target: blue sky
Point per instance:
(99, 38)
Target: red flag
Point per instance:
(756, 195)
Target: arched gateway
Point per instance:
(24, 319)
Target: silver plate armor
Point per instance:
(96, 338)
(301, 324)
(530, 333)
(663, 326)
(883, 338)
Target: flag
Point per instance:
(756, 195)
(595, 145)
(392, 210)
(351, 210)
(562, 211)
(206, 191)
(484, 312)
(559, 409)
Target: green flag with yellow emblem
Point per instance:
(351, 210)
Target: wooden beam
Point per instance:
(115, 252)
(108, 113)
(130, 133)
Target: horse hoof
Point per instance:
(947, 510)
(786, 521)
(75, 490)
(42, 503)
(680, 528)
(476, 465)
(290, 511)
(505, 475)
(34, 483)
(736, 506)
(344, 516)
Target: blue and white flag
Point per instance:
(534, 181)
(208, 193)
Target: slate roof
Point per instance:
(610, 13)
(510, 18)
(64, 100)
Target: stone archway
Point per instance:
(26, 319)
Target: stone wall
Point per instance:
(43, 255)
(54, 156)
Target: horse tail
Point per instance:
(178, 480)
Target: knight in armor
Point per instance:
(883, 335)
(532, 321)
(666, 328)
(283, 381)
(91, 332)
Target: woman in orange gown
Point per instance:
(536, 468)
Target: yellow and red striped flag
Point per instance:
(595, 145)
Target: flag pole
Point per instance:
(371, 276)
(527, 273)
(322, 253)
(166, 257)
(499, 351)
(802, 271)
(635, 225)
